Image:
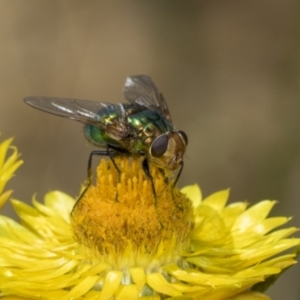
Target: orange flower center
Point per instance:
(120, 214)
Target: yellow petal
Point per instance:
(210, 226)
(283, 233)
(111, 284)
(158, 282)
(82, 288)
(217, 200)
(253, 215)
(250, 296)
(193, 192)
(9, 168)
(232, 211)
(60, 202)
(12, 163)
(269, 224)
(257, 255)
(5, 176)
(127, 292)
(4, 197)
(3, 150)
(23, 208)
(138, 276)
(14, 231)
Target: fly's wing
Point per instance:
(84, 111)
(87, 112)
(141, 90)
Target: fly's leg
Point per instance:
(174, 185)
(178, 174)
(163, 173)
(146, 169)
(107, 152)
(111, 155)
(166, 179)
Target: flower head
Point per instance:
(119, 241)
(123, 222)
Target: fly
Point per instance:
(140, 128)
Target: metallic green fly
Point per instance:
(142, 127)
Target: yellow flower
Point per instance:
(121, 242)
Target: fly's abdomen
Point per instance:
(99, 137)
(111, 128)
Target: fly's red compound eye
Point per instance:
(159, 145)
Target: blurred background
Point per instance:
(230, 71)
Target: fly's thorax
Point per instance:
(148, 125)
(168, 149)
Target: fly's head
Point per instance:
(168, 149)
